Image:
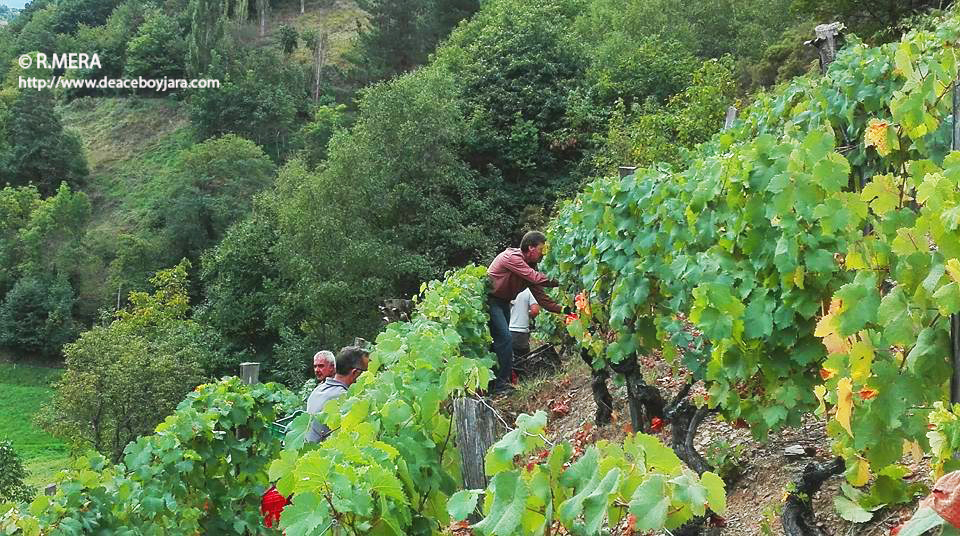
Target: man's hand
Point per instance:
(534, 310)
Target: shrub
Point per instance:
(12, 475)
(124, 378)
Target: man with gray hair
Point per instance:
(352, 361)
(324, 365)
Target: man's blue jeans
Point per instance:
(502, 341)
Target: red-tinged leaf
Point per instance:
(559, 409)
(656, 424)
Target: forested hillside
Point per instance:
(356, 149)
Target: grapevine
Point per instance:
(814, 246)
(203, 471)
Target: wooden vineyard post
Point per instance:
(730, 118)
(954, 318)
(250, 373)
(827, 36)
(476, 432)
(627, 170)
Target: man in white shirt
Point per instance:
(522, 309)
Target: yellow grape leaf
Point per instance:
(826, 326)
(821, 392)
(836, 344)
(859, 474)
(855, 261)
(861, 359)
(798, 276)
(845, 404)
(953, 268)
(913, 449)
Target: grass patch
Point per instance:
(23, 390)
(338, 18)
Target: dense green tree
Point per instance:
(634, 70)
(662, 133)
(212, 188)
(782, 60)
(260, 98)
(40, 249)
(517, 61)
(158, 49)
(389, 209)
(71, 14)
(39, 33)
(41, 151)
(122, 379)
(314, 136)
(41, 237)
(109, 42)
(400, 34)
(878, 19)
(710, 29)
(207, 30)
(27, 13)
(16, 206)
(288, 39)
(242, 283)
(51, 239)
(36, 316)
(8, 50)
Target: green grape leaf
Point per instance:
(820, 261)
(894, 315)
(716, 497)
(649, 504)
(947, 298)
(509, 494)
(882, 194)
(689, 491)
(758, 316)
(850, 510)
(308, 514)
(523, 438)
(908, 241)
(583, 470)
(463, 503)
(296, 435)
(860, 301)
(933, 345)
(282, 471)
(658, 456)
(832, 173)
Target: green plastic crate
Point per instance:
(278, 429)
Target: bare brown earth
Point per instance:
(755, 500)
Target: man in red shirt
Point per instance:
(510, 273)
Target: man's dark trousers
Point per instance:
(502, 340)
